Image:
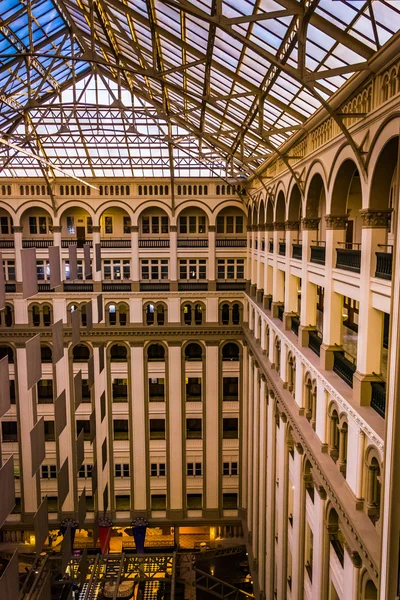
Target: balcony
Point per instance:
(349, 259)
(315, 342)
(160, 286)
(74, 242)
(344, 367)
(193, 243)
(6, 243)
(116, 286)
(295, 324)
(384, 264)
(154, 243)
(378, 397)
(282, 248)
(239, 286)
(37, 243)
(78, 287)
(115, 243)
(271, 246)
(193, 286)
(231, 243)
(297, 251)
(318, 255)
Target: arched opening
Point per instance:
(373, 486)
(115, 222)
(187, 314)
(118, 353)
(230, 221)
(36, 222)
(230, 351)
(280, 208)
(270, 213)
(236, 313)
(334, 434)
(46, 354)
(9, 352)
(154, 221)
(192, 221)
(35, 315)
(117, 314)
(277, 357)
(156, 353)
(347, 200)
(370, 593)
(198, 314)
(225, 314)
(7, 316)
(295, 205)
(261, 214)
(310, 401)
(76, 224)
(150, 314)
(80, 353)
(336, 537)
(193, 352)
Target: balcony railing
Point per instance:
(44, 287)
(147, 286)
(193, 286)
(378, 397)
(314, 342)
(11, 288)
(318, 255)
(41, 243)
(271, 246)
(154, 243)
(231, 285)
(74, 242)
(115, 243)
(116, 286)
(5, 243)
(295, 324)
(348, 259)
(384, 263)
(231, 243)
(193, 243)
(282, 248)
(297, 251)
(343, 367)
(281, 310)
(78, 287)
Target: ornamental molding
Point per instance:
(336, 221)
(134, 228)
(56, 228)
(96, 229)
(292, 225)
(173, 228)
(310, 224)
(374, 219)
(278, 226)
(17, 228)
(212, 228)
(268, 226)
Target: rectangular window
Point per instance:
(230, 429)
(145, 224)
(157, 470)
(157, 429)
(108, 225)
(229, 224)
(230, 468)
(71, 225)
(229, 501)
(154, 269)
(121, 429)
(183, 225)
(194, 469)
(42, 225)
(239, 224)
(156, 389)
(192, 225)
(9, 270)
(193, 389)
(85, 425)
(155, 226)
(4, 226)
(164, 224)
(45, 391)
(193, 429)
(9, 431)
(122, 470)
(158, 502)
(49, 435)
(112, 269)
(33, 225)
(230, 389)
(220, 225)
(127, 224)
(89, 225)
(43, 270)
(194, 501)
(48, 472)
(193, 269)
(120, 390)
(123, 502)
(231, 268)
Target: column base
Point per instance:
(253, 289)
(135, 286)
(260, 295)
(304, 334)
(362, 389)
(326, 356)
(267, 301)
(287, 320)
(97, 287)
(212, 286)
(274, 309)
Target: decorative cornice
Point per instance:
(336, 221)
(292, 225)
(310, 224)
(278, 226)
(374, 219)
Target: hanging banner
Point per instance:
(105, 525)
(139, 526)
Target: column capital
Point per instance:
(212, 228)
(96, 228)
(268, 226)
(173, 228)
(17, 228)
(250, 227)
(336, 221)
(278, 226)
(292, 225)
(134, 228)
(56, 228)
(374, 219)
(310, 224)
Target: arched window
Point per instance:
(370, 592)
(334, 434)
(198, 314)
(7, 316)
(336, 537)
(46, 354)
(193, 352)
(112, 314)
(187, 314)
(123, 312)
(150, 314)
(47, 315)
(9, 352)
(118, 353)
(230, 351)
(160, 314)
(277, 354)
(291, 373)
(156, 352)
(35, 315)
(373, 486)
(236, 314)
(225, 312)
(80, 353)
(310, 401)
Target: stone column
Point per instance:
(250, 440)
(260, 272)
(282, 508)
(175, 432)
(211, 433)
(262, 451)
(135, 266)
(271, 497)
(211, 258)
(173, 253)
(97, 275)
(319, 542)
(291, 285)
(255, 459)
(244, 402)
(253, 263)
(308, 312)
(278, 277)
(17, 251)
(351, 574)
(333, 302)
(268, 277)
(139, 438)
(375, 225)
(298, 525)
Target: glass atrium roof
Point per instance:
(172, 87)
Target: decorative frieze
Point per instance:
(336, 221)
(278, 226)
(292, 225)
(310, 224)
(374, 219)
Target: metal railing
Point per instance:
(115, 243)
(384, 265)
(153, 243)
(297, 251)
(231, 243)
(74, 242)
(5, 243)
(116, 286)
(349, 259)
(378, 397)
(231, 285)
(318, 255)
(343, 367)
(314, 342)
(193, 286)
(37, 243)
(78, 287)
(282, 248)
(154, 287)
(193, 243)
